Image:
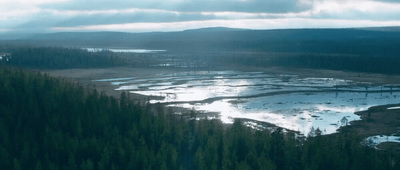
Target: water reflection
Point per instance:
(288, 101)
(122, 50)
(374, 141)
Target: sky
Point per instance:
(41, 16)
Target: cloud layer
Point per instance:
(173, 15)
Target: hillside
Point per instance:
(367, 41)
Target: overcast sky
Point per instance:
(35, 16)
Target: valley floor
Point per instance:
(376, 121)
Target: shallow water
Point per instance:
(123, 50)
(288, 101)
(393, 108)
(374, 141)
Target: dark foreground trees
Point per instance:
(49, 123)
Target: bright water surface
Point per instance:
(123, 50)
(288, 101)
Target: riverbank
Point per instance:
(377, 120)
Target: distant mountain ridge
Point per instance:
(389, 29)
(357, 41)
(125, 35)
(216, 29)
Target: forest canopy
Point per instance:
(51, 123)
(59, 58)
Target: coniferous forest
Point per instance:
(200, 85)
(52, 123)
(65, 58)
(59, 58)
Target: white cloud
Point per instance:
(4, 30)
(244, 23)
(110, 11)
(156, 15)
(356, 9)
(15, 12)
(189, 5)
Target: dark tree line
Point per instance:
(384, 61)
(383, 42)
(51, 123)
(59, 58)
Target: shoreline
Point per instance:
(377, 120)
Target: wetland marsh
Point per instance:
(290, 101)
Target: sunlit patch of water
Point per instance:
(116, 79)
(122, 50)
(393, 108)
(288, 101)
(374, 141)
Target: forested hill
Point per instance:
(368, 41)
(50, 123)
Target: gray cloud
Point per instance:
(89, 12)
(92, 13)
(139, 17)
(268, 6)
(97, 12)
(46, 20)
(281, 6)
